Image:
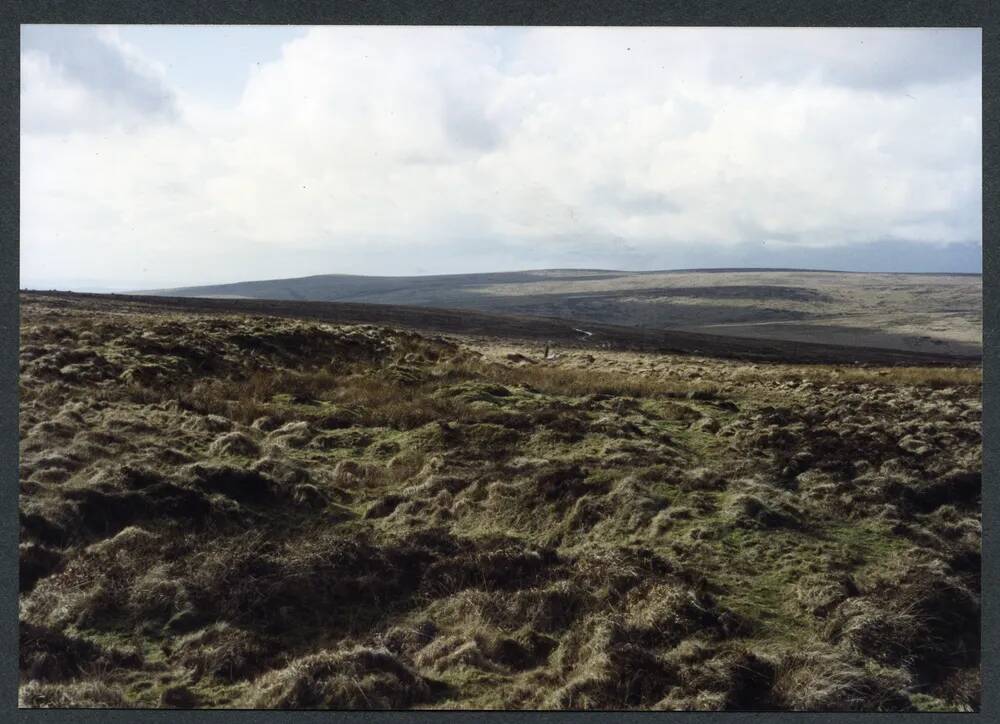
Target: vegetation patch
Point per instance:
(245, 511)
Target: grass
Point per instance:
(241, 511)
(927, 377)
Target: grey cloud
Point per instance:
(929, 57)
(102, 70)
(965, 216)
(689, 117)
(596, 157)
(749, 232)
(887, 255)
(887, 60)
(646, 202)
(635, 202)
(468, 127)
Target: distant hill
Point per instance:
(919, 312)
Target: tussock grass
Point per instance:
(243, 511)
(574, 382)
(76, 695)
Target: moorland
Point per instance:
(933, 313)
(226, 507)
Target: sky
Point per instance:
(159, 156)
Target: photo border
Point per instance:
(914, 13)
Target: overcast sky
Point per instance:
(166, 156)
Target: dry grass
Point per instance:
(227, 511)
(555, 379)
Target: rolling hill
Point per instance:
(933, 313)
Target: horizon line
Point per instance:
(685, 270)
(572, 269)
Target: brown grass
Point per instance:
(283, 514)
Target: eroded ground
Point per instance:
(225, 511)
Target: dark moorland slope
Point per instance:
(914, 312)
(535, 329)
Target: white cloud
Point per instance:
(393, 150)
(80, 79)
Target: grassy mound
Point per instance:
(225, 511)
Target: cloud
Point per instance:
(397, 150)
(870, 59)
(76, 78)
